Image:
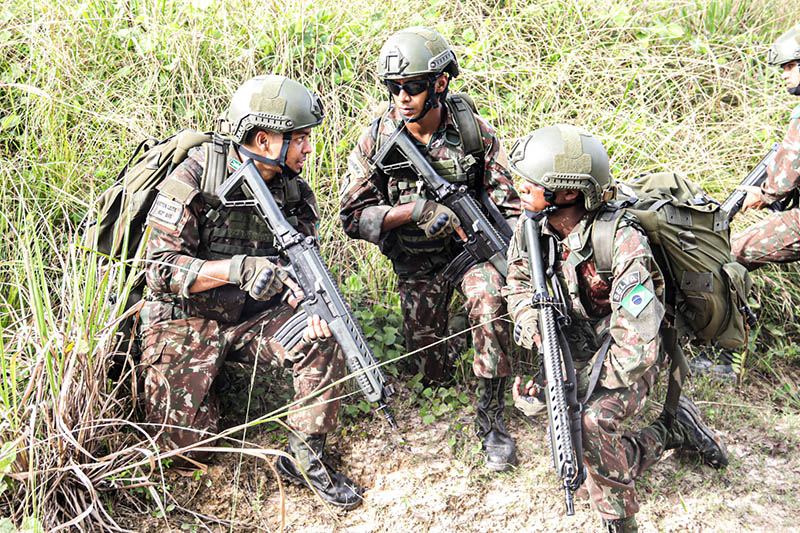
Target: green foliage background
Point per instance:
(679, 85)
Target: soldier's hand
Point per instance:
(526, 328)
(754, 199)
(316, 328)
(260, 277)
(517, 391)
(435, 219)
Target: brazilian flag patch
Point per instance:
(637, 300)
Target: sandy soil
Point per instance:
(430, 478)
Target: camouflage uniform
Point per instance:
(187, 337)
(776, 239)
(613, 457)
(367, 194)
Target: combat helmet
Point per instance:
(562, 158)
(272, 103)
(418, 51)
(785, 50)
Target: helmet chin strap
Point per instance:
(550, 198)
(280, 162)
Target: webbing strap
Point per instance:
(678, 370)
(471, 139)
(597, 366)
(603, 231)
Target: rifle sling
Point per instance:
(678, 370)
(597, 367)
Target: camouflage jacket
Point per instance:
(783, 175)
(367, 194)
(630, 308)
(188, 228)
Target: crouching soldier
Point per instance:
(566, 176)
(216, 285)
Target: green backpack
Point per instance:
(118, 230)
(122, 209)
(706, 289)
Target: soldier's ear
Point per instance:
(441, 83)
(571, 195)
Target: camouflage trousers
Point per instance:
(425, 302)
(776, 239)
(181, 358)
(615, 459)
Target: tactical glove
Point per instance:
(526, 328)
(435, 219)
(260, 277)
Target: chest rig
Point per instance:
(226, 232)
(456, 154)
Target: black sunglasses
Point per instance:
(412, 88)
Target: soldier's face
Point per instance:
(299, 148)
(791, 74)
(411, 105)
(531, 197)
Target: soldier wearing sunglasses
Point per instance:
(394, 210)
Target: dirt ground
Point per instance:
(430, 478)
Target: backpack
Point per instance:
(118, 230)
(706, 290)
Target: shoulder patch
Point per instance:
(624, 285)
(166, 210)
(795, 112)
(637, 300)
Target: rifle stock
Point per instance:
(321, 294)
(563, 409)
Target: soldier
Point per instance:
(215, 282)
(393, 210)
(566, 173)
(776, 239)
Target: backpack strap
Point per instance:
(463, 109)
(216, 168)
(603, 230)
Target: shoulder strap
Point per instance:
(463, 109)
(216, 168)
(603, 230)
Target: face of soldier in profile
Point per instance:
(269, 144)
(531, 196)
(791, 74)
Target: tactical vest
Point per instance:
(226, 232)
(402, 186)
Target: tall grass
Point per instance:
(673, 85)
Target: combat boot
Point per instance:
(698, 437)
(489, 426)
(714, 361)
(621, 525)
(335, 488)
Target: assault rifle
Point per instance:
(563, 409)
(482, 242)
(755, 178)
(321, 294)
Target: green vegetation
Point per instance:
(675, 85)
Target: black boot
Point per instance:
(698, 437)
(621, 525)
(335, 488)
(490, 428)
